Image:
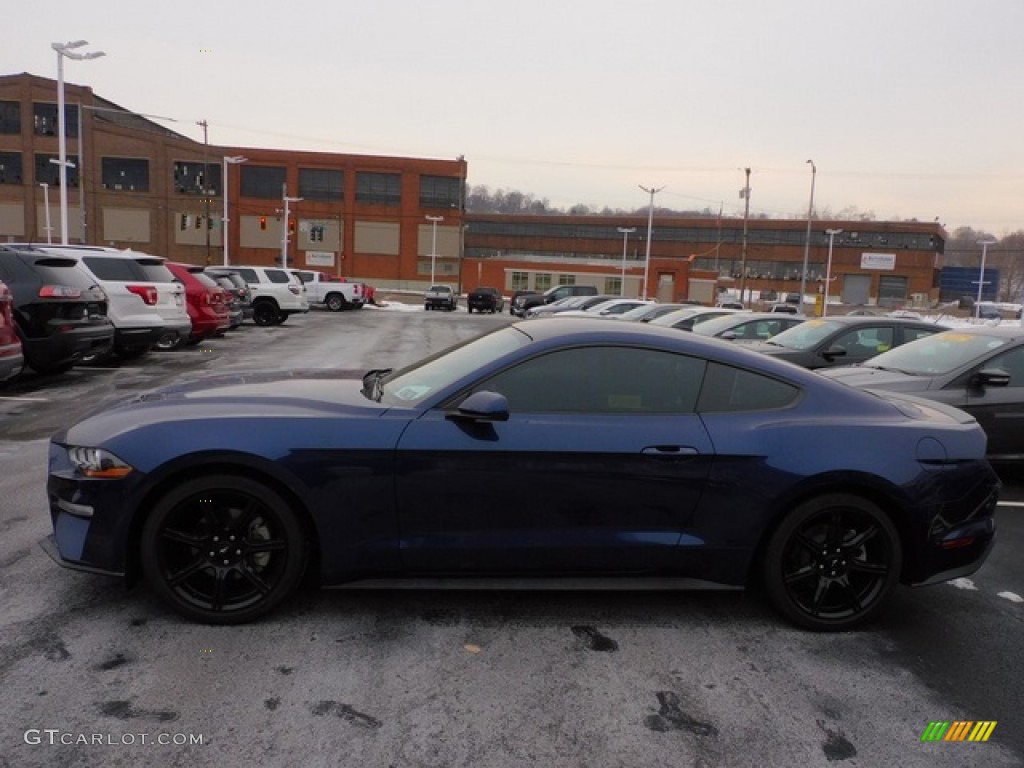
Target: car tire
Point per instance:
(168, 342)
(832, 562)
(335, 302)
(223, 549)
(265, 313)
(281, 317)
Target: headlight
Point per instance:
(98, 463)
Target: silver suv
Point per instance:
(276, 293)
(146, 303)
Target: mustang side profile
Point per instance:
(654, 457)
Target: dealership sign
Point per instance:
(878, 261)
(320, 258)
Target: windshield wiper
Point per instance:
(373, 386)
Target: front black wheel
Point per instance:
(335, 302)
(832, 563)
(223, 549)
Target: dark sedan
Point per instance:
(748, 326)
(979, 369)
(843, 340)
(654, 456)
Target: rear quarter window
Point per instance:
(278, 276)
(728, 389)
(249, 275)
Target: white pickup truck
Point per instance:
(335, 293)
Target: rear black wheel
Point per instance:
(336, 302)
(832, 562)
(223, 549)
(265, 313)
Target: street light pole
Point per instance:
(828, 268)
(807, 241)
(46, 205)
(433, 243)
(66, 49)
(626, 231)
(746, 221)
(650, 227)
(284, 225)
(981, 274)
(230, 160)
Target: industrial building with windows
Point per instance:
(400, 222)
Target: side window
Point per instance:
(734, 389)
(866, 341)
(249, 275)
(1013, 363)
(602, 380)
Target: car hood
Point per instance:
(303, 394)
(864, 377)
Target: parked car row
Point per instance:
(62, 305)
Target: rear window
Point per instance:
(155, 270)
(56, 271)
(119, 270)
(206, 280)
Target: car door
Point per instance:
(859, 344)
(598, 468)
(1000, 410)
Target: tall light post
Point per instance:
(284, 224)
(46, 206)
(807, 241)
(66, 49)
(230, 160)
(745, 194)
(981, 274)
(433, 243)
(828, 268)
(650, 227)
(626, 232)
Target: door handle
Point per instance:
(670, 451)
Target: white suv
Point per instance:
(146, 303)
(276, 293)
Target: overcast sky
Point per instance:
(909, 108)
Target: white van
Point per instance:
(146, 303)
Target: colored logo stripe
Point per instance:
(959, 730)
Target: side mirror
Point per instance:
(483, 406)
(992, 377)
(729, 336)
(833, 351)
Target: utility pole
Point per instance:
(650, 227)
(206, 185)
(745, 194)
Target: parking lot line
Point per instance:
(26, 399)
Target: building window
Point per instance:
(567, 279)
(48, 172)
(262, 181)
(440, 192)
(542, 281)
(520, 281)
(379, 188)
(321, 184)
(10, 168)
(44, 117)
(10, 117)
(613, 286)
(125, 174)
(188, 178)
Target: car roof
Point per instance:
(1001, 331)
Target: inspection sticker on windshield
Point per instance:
(412, 392)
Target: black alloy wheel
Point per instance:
(265, 313)
(223, 549)
(336, 302)
(168, 342)
(832, 562)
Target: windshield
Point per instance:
(412, 384)
(937, 354)
(717, 325)
(671, 318)
(805, 335)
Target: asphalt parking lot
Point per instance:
(93, 675)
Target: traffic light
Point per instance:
(263, 222)
(291, 226)
(184, 221)
(199, 222)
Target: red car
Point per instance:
(11, 358)
(208, 304)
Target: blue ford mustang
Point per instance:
(649, 455)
